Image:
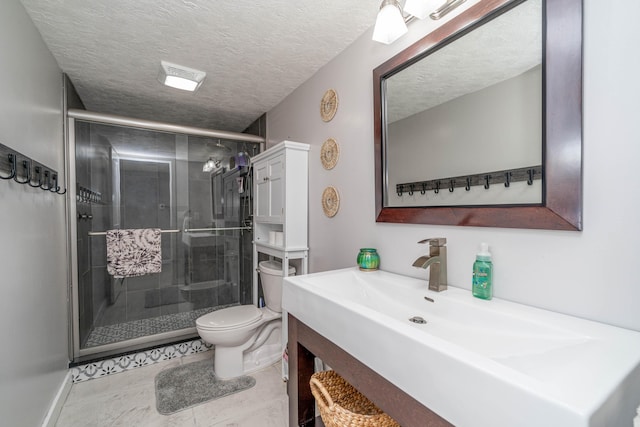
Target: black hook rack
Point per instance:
(485, 179)
(24, 170)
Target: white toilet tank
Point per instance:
(271, 277)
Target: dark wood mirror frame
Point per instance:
(561, 208)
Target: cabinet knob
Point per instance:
(266, 178)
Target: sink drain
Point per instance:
(417, 319)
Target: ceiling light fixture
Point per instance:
(180, 77)
(391, 22)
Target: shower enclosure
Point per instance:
(196, 189)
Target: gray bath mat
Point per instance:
(192, 384)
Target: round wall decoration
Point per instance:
(329, 105)
(330, 201)
(329, 153)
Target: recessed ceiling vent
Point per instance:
(180, 77)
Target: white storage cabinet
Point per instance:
(281, 205)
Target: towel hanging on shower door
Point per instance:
(134, 252)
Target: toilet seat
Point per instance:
(230, 318)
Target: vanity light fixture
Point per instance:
(180, 77)
(445, 8)
(391, 22)
(420, 8)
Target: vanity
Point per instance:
(471, 363)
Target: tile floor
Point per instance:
(128, 399)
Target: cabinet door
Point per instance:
(261, 196)
(276, 189)
(269, 196)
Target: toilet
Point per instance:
(247, 338)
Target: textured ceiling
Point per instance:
(254, 53)
(504, 48)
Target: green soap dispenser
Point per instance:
(482, 286)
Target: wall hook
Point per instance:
(424, 188)
(486, 181)
(55, 188)
(12, 162)
(58, 188)
(530, 172)
(38, 176)
(507, 179)
(468, 186)
(26, 167)
(452, 184)
(411, 189)
(399, 192)
(437, 190)
(47, 180)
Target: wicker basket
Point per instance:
(341, 405)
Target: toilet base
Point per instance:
(256, 354)
(265, 356)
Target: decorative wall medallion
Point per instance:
(329, 105)
(330, 201)
(329, 153)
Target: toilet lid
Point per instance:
(228, 318)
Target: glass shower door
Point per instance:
(130, 178)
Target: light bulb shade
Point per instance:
(420, 8)
(390, 24)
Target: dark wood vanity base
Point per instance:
(305, 344)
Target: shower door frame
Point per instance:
(83, 354)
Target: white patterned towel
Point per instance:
(133, 252)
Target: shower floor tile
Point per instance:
(109, 334)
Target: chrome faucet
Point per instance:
(437, 260)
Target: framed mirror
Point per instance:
(480, 122)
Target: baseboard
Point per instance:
(56, 406)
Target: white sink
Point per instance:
(475, 362)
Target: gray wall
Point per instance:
(590, 274)
(33, 307)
